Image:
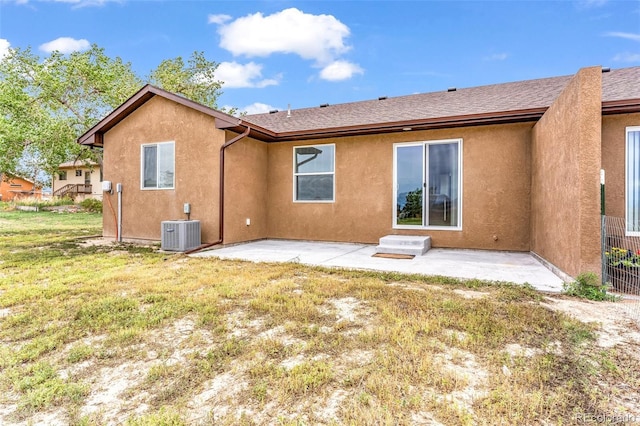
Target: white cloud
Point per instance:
(257, 108)
(4, 47)
(628, 36)
(627, 57)
(317, 37)
(65, 45)
(234, 75)
(496, 57)
(218, 19)
(340, 70)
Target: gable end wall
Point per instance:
(197, 145)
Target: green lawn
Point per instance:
(95, 334)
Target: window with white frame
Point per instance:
(157, 168)
(428, 184)
(314, 173)
(632, 181)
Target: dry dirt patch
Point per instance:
(96, 242)
(471, 294)
(465, 369)
(618, 322)
(219, 393)
(226, 396)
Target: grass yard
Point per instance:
(97, 334)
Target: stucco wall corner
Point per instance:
(566, 162)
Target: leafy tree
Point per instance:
(194, 80)
(46, 104)
(413, 206)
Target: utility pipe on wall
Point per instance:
(221, 201)
(119, 191)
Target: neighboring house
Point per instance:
(78, 180)
(512, 166)
(12, 187)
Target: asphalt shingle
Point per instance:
(620, 84)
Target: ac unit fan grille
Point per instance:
(180, 235)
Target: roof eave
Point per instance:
(625, 106)
(504, 117)
(256, 132)
(14, 176)
(93, 137)
(419, 124)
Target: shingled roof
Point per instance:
(492, 104)
(505, 102)
(77, 163)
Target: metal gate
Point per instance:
(620, 258)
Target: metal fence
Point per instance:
(621, 262)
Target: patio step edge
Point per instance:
(404, 244)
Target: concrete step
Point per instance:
(404, 244)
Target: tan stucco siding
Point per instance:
(565, 202)
(245, 191)
(362, 193)
(197, 145)
(496, 189)
(613, 160)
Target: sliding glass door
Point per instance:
(409, 185)
(632, 181)
(428, 184)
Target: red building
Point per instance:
(12, 186)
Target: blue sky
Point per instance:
(305, 53)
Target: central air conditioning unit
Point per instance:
(180, 235)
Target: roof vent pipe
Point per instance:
(288, 110)
(451, 89)
(606, 69)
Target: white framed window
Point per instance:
(427, 178)
(314, 173)
(157, 165)
(632, 181)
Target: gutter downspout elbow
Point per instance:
(221, 200)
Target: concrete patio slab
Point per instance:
(514, 267)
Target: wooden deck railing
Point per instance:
(72, 190)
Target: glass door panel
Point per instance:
(443, 203)
(410, 178)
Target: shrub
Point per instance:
(589, 286)
(39, 202)
(91, 205)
